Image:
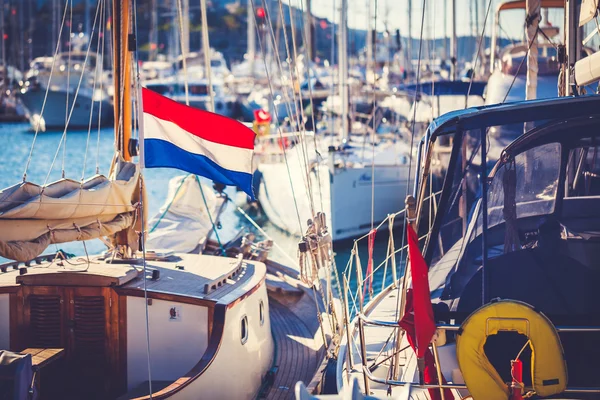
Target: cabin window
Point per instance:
(583, 171)
(244, 329)
(261, 313)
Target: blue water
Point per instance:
(17, 140)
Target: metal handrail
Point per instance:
(451, 327)
(368, 376)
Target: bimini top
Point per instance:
(517, 4)
(515, 112)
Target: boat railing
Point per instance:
(363, 320)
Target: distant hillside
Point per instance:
(32, 32)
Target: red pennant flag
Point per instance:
(418, 321)
(424, 323)
(369, 277)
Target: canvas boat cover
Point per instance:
(183, 222)
(32, 216)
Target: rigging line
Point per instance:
(299, 114)
(262, 231)
(412, 138)
(487, 12)
(520, 65)
(63, 138)
(99, 10)
(302, 156)
(260, 44)
(299, 110)
(187, 103)
(214, 227)
(142, 234)
(310, 97)
(374, 113)
(143, 223)
(69, 87)
(38, 122)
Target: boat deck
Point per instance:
(296, 331)
(296, 358)
(196, 277)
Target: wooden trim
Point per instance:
(16, 320)
(9, 289)
(121, 304)
(156, 295)
(247, 294)
(214, 343)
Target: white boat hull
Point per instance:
(54, 113)
(345, 196)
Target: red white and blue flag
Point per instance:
(196, 141)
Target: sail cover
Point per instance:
(33, 216)
(183, 222)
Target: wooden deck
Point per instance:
(296, 358)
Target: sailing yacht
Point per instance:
(191, 321)
(72, 77)
(526, 251)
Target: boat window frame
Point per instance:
(244, 329)
(261, 312)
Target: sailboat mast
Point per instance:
(533, 8)
(573, 45)
(5, 66)
(122, 76)
(453, 44)
(369, 40)
(343, 68)
(308, 29)
(206, 51)
(251, 34)
(153, 31)
(409, 39)
(185, 26)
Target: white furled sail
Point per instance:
(32, 217)
(589, 8)
(183, 221)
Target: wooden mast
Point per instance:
(122, 76)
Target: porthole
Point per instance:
(244, 329)
(261, 313)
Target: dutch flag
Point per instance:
(196, 141)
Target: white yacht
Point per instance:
(72, 94)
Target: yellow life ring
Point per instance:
(548, 367)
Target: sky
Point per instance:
(395, 14)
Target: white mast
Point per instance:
(308, 29)
(409, 39)
(251, 34)
(453, 44)
(185, 40)
(88, 28)
(343, 67)
(533, 8)
(153, 31)
(206, 51)
(369, 40)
